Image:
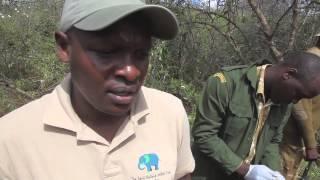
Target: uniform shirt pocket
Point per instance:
(237, 119)
(235, 130)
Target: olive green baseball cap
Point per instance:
(95, 15)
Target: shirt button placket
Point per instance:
(105, 163)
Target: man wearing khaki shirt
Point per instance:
(299, 136)
(100, 122)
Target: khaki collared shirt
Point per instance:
(46, 140)
(263, 112)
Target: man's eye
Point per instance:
(103, 54)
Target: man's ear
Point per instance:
(289, 73)
(62, 46)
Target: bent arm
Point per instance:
(302, 113)
(209, 120)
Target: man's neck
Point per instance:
(106, 125)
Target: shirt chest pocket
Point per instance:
(238, 118)
(237, 124)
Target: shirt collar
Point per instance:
(60, 113)
(260, 84)
(140, 107)
(58, 110)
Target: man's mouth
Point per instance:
(122, 95)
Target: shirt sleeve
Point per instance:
(303, 117)
(185, 160)
(209, 120)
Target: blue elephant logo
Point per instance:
(148, 161)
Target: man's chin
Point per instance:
(121, 110)
(280, 101)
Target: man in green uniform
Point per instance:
(100, 122)
(241, 116)
(299, 140)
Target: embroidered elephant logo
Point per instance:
(148, 161)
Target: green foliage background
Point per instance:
(228, 34)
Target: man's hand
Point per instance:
(262, 172)
(243, 169)
(311, 154)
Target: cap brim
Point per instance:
(317, 35)
(164, 23)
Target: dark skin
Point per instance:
(282, 86)
(108, 69)
(311, 154)
(295, 92)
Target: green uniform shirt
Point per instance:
(225, 123)
(304, 123)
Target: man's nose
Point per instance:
(129, 72)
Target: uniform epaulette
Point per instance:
(221, 77)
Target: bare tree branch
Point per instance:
(47, 90)
(227, 36)
(267, 30)
(231, 22)
(315, 2)
(280, 19)
(16, 89)
(294, 25)
(263, 20)
(210, 13)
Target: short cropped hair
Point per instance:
(307, 64)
